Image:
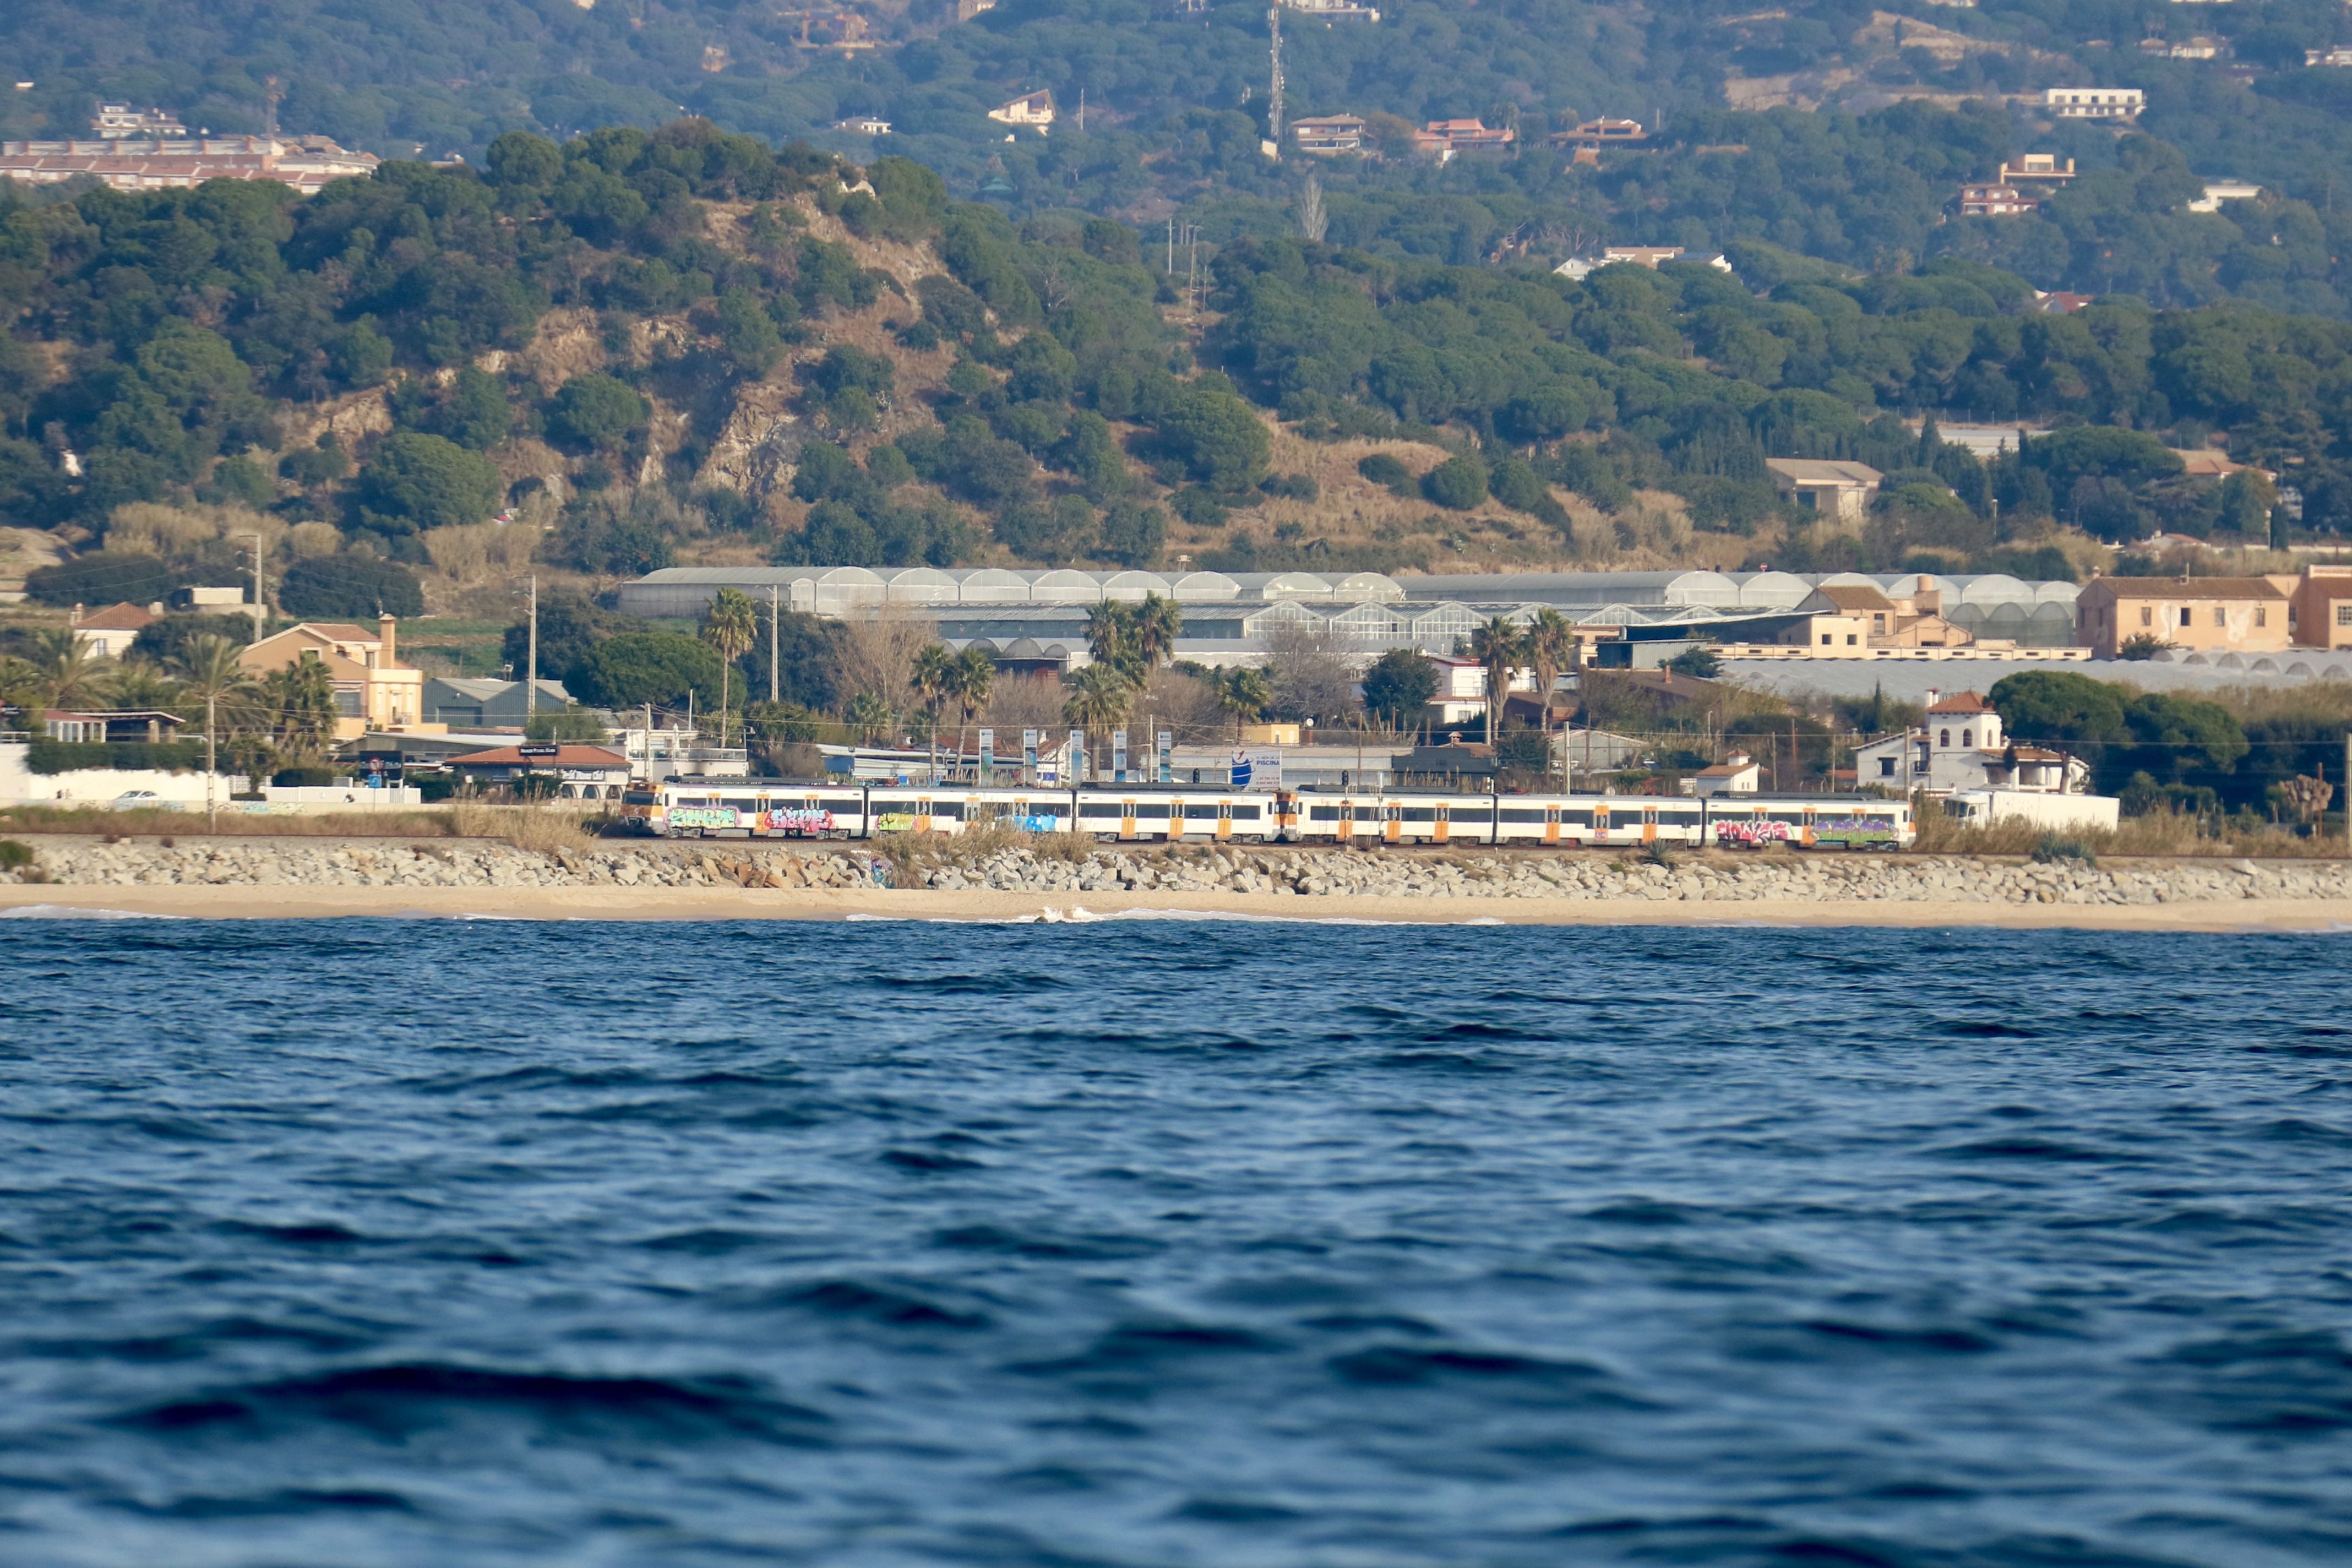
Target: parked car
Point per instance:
(142, 800)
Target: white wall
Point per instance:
(343, 797)
(85, 786)
(1990, 805)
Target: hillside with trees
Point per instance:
(644, 348)
(1826, 128)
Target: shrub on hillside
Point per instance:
(349, 586)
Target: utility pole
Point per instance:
(1274, 108)
(775, 640)
(2347, 792)
(259, 613)
(530, 673)
(211, 762)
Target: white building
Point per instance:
(1031, 108)
(2095, 102)
(1738, 774)
(2220, 191)
(1961, 747)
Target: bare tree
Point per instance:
(1311, 677)
(1313, 221)
(875, 653)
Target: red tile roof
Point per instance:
(123, 617)
(1963, 702)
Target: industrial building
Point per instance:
(1039, 617)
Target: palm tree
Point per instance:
(1101, 698)
(1552, 642)
(1499, 647)
(1157, 623)
(1110, 634)
(930, 684)
(301, 699)
(209, 672)
(869, 715)
(731, 629)
(138, 686)
(971, 681)
(1244, 694)
(67, 668)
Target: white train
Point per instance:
(756, 808)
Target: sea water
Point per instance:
(1153, 1243)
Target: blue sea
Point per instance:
(1145, 1243)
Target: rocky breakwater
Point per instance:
(1771, 879)
(450, 863)
(1767, 878)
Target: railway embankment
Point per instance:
(1332, 876)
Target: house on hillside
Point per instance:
(1329, 136)
(1602, 132)
(2220, 191)
(2095, 102)
(1030, 108)
(1839, 489)
(1997, 201)
(2036, 166)
(1442, 139)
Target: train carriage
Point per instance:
(1134, 813)
(745, 808)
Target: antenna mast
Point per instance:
(1274, 113)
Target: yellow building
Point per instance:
(372, 690)
(2203, 615)
(2320, 605)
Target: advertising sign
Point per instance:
(1257, 768)
(1028, 755)
(1165, 744)
(1119, 757)
(988, 756)
(1077, 773)
(539, 750)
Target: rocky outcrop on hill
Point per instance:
(1301, 873)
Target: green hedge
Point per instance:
(123, 756)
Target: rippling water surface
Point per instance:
(1220, 1243)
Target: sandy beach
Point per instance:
(738, 904)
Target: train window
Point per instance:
(742, 802)
(1793, 818)
(1523, 813)
(1151, 808)
(1197, 813)
(842, 804)
(1248, 813)
(881, 806)
(1677, 818)
(1099, 808)
(1577, 818)
(1322, 813)
(639, 797)
(947, 810)
(1420, 814)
